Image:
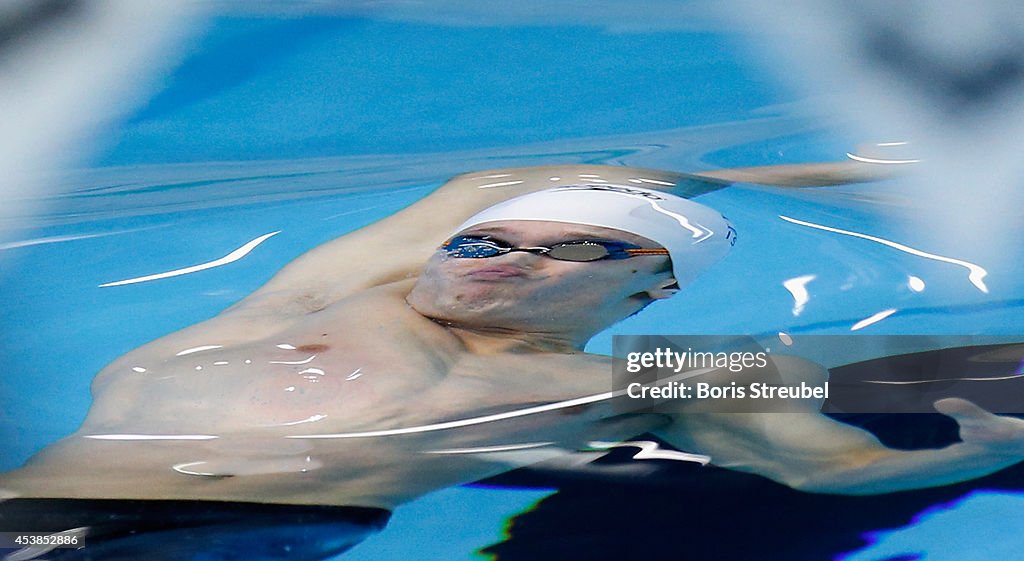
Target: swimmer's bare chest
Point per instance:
(364, 402)
(366, 363)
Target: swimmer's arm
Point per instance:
(396, 247)
(871, 162)
(807, 175)
(810, 452)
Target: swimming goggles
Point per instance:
(477, 247)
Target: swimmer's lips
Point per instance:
(497, 272)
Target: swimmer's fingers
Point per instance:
(1001, 435)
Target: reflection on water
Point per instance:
(229, 258)
(977, 272)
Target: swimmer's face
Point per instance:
(529, 292)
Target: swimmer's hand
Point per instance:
(996, 434)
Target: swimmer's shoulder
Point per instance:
(580, 373)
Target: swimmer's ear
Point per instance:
(665, 289)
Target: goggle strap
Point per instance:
(647, 251)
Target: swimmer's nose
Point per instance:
(523, 259)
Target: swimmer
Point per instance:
(439, 346)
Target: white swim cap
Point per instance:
(695, 236)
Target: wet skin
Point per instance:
(233, 420)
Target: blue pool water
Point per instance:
(313, 127)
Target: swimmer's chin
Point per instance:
(461, 316)
(463, 312)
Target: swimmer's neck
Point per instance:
(500, 340)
